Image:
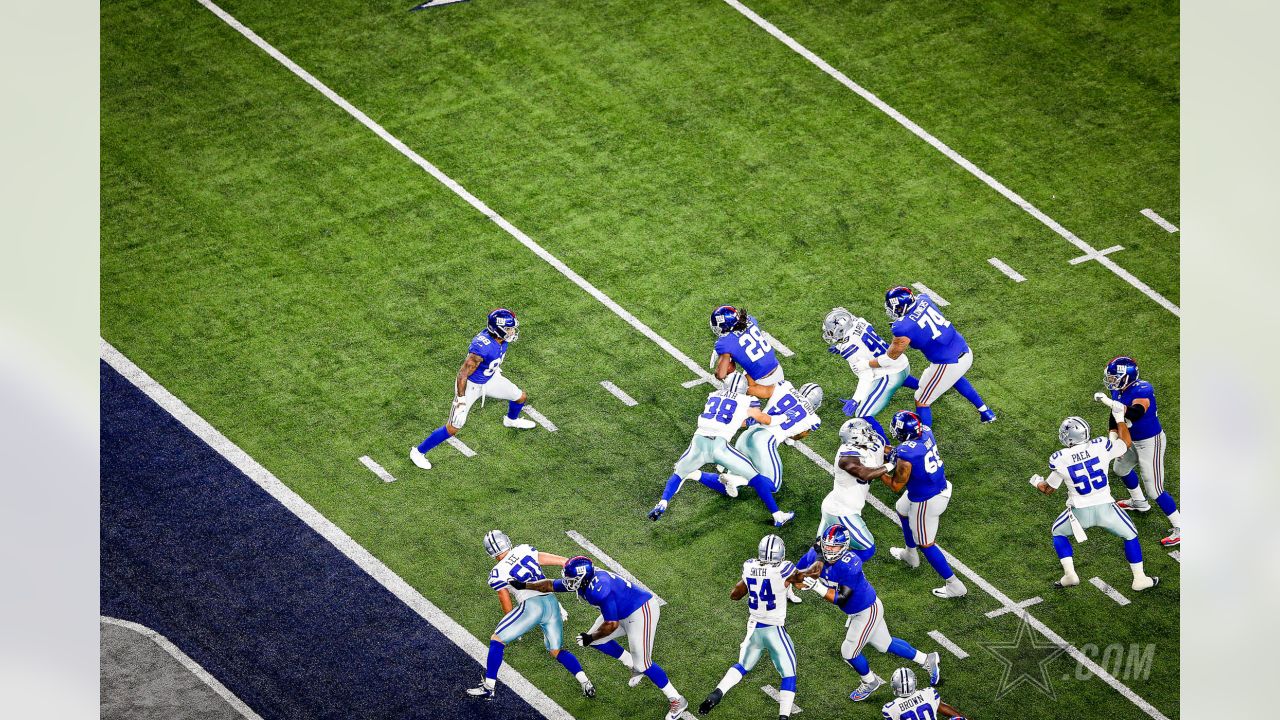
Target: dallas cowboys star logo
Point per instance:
(1025, 660)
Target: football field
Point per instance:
(308, 209)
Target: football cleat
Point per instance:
(480, 692)
(1132, 506)
(906, 555)
(677, 706)
(636, 678)
(953, 589)
(732, 483)
(1174, 538)
(419, 459)
(933, 663)
(588, 690)
(1149, 583)
(786, 518)
(987, 416)
(866, 688)
(712, 700)
(658, 510)
(522, 423)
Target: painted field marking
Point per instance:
(185, 660)
(612, 564)
(619, 393)
(696, 382)
(771, 692)
(434, 3)
(1012, 274)
(1168, 226)
(1019, 606)
(945, 642)
(956, 157)
(540, 418)
(1109, 591)
(786, 351)
(377, 469)
(662, 342)
(1176, 555)
(460, 446)
(921, 287)
(1096, 255)
(375, 568)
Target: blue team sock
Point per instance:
(1131, 480)
(569, 662)
(764, 488)
(865, 555)
(906, 532)
(435, 438)
(712, 481)
(495, 659)
(513, 409)
(611, 648)
(673, 487)
(657, 675)
(1166, 503)
(939, 561)
(926, 414)
(1133, 550)
(875, 424)
(860, 664)
(965, 388)
(788, 683)
(911, 383)
(1062, 546)
(902, 649)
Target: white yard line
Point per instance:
(662, 342)
(945, 642)
(376, 569)
(697, 381)
(461, 446)
(1019, 606)
(435, 3)
(921, 287)
(185, 660)
(1168, 226)
(1012, 274)
(786, 351)
(377, 469)
(1109, 591)
(956, 157)
(619, 393)
(612, 564)
(771, 692)
(1095, 255)
(1177, 556)
(540, 418)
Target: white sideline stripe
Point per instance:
(377, 469)
(945, 642)
(1110, 591)
(771, 692)
(1168, 226)
(334, 534)
(185, 660)
(1176, 555)
(540, 418)
(695, 382)
(435, 3)
(453, 185)
(956, 157)
(1012, 274)
(1022, 605)
(672, 350)
(461, 446)
(786, 351)
(619, 393)
(1095, 256)
(921, 287)
(612, 564)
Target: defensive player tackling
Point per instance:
(855, 339)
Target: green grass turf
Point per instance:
(309, 291)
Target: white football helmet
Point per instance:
(735, 384)
(837, 326)
(859, 433)
(904, 682)
(1073, 431)
(496, 542)
(771, 550)
(813, 393)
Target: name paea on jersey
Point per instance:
(1084, 467)
(849, 495)
(909, 706)
(767, 590)
(520, 563)
(792, 412)
(723, 415)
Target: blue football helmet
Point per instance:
(504, 326)
(725, 318)
(578, 570)
(835, 542)
(1121, 372)
(897, 301)
(906, 425)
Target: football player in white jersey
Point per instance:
(912, 704)
(726, 410)
(1083, 465)
(795, 415)
(523, 563)
(855, 339)
(762, 583)
(859, 460)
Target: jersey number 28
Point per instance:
(754, 343)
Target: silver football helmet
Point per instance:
(496, 542)
(734, 384)
(771, 550)
(904, 682)
(813, 393)
(1073, 431)
(857, 432)
(837, 326)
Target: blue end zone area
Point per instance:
(194, 549)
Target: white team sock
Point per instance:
(911, 556)
(625, 659)
(1069, 570)
(1135, 494)
(731, 678)
(1138, 572)
(869, 677)
(982, 409)
(670, 691)
(1175, 517)
(490, 684)
(920, 658)
(581, 677)
(785, 699)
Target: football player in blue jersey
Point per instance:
(1136, 399)
(624, 610)
(481, 376)
(740, 341)
(845, 585)
(918, 468)
(918, 323)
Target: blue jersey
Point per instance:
(491, 353)
(846, 571)
(930, 333)
(616, 597)
(750, 349)
(1148, 426)
(927, 477)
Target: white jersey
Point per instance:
(1085, 468)
(907, 707)
(723, 416)
(792, 412)
(520, 563)
(849, 495)
(767, 590)
(865, 343)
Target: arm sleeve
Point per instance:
(557, 585)
(808, 558)
(608, 609)
(496, 581)
(1055, 479)
(787, 569)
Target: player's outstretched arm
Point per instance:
(1120, 431)
(898, 480)
(852, 464)
(553, 560)
(469, 366)
(949, 711)
(544, 585)
(759, 416)
(504, 599)
(738, 591)
(606, 629)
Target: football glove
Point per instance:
(584, 639)
(517, 584)
(809, 583)
(1035, 481)
(850, 406)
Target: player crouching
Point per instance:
(911, 703)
